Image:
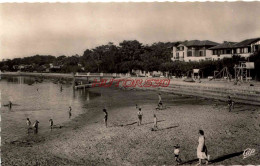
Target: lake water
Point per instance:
(48, 102)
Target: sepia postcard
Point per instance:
(130, 83)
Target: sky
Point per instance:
(27, 29)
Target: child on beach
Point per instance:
(35, 126)
(140, 116)
(155, 122)
(51, 123)
(70, 109)
(136, 106)
(176, 154)
(106, 116)
(28, 122)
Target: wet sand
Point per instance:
(86, 141)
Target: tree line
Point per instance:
(123, 58)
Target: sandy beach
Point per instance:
(86, 141)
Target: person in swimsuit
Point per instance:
(106, 116)
(35, 125)
(140, 116)
(202, 152)
(51, 123)
(70, 109)
(177, 153)
(28, 122)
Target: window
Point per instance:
(177, 55)
(242, 50)
(189, 53)
(228, 51)
(201, 53)
(215, 52)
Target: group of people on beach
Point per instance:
(202, 152)
(35, 125)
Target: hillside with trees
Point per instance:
(122, 58)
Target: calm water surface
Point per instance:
(49, 102)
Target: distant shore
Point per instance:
(60, 75)
(247, 92)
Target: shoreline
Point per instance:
(219, 90)
(85, 140)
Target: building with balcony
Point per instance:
(194, 50)
(227, 49)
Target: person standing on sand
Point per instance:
(10, 105)
(160, 104)
(230, 103)
(202, 149)
(140, 116)
(155, 122)
(35, 125)
(70, 109)
(106, 116)
(28, 122)
(51, 123)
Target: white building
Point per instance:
(244, 48)
(194, 50)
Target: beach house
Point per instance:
(247, 47)
(224, 50)
(227, 49)
(193, 50)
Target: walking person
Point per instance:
(202, 152)
(51, 124)
(70, 109)
(35, 126)
(28, 122)
(177, 154)
(105, 117)
(140, 116)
